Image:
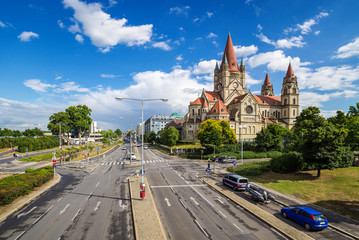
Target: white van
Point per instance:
(235, 181)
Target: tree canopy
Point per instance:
(215, 133)
(169, 136)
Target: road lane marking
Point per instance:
(183, 204)
(170, 186)
(194, 201)
(20, 235)
(89, 196)
(36, 220)
(222, 214)
(97, 184)
(60, 199)
(25, 213)
(238, 227)
(123, 206)
(75, 215)
(97, 206)
(203, 197)
(199, 225)
(63, 210)
(168, 202)
(219, 200)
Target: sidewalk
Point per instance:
(146, 220)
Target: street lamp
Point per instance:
(130, 136)
(142, 100)
(242, 127)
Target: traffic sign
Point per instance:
(234, 166)
(143, 172)
(137, 170)
(234, 163)
(54, 162)
(208, 170)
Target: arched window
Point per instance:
(249, 129)
(193, 112)
(285, 101)
(285, 113)
(254, 129)
(199, 111)
(293, 100)
(293, 112)
(285, 91)
(294, 90)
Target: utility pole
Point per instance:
(60, 144)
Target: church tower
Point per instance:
(229, 78)
(267, 87)
(290, 97)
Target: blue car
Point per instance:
(309, 218)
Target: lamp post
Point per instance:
(242, 127)
(142, 100)
(130, 136)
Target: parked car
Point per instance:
(231, 159)
(145, 146)
(235, 181)
(133, 156)
(309, 218)
(124, 148)
(221, 159)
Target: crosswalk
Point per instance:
(145, 161)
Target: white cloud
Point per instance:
(209, 14)
(243, 51)
(204, 67)
(306, 27)
(316, 99)
(75, 28)
(250, 81)
(70, 87)
(104, 31)
(21, 115)
(2, 24)
(103, 75)
(112, 2)
(179, 57)
(181, 28)
(27, 36)
(283, 43)
(79, 38)
(58, 78)
(61, 24)
(196, 19)
(211, 35)
(316, 33)
(162, 45)
(37, 85)
(260, 28)
(349, 50)
(180, 10)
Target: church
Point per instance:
(246, 113)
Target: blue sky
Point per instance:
(58, 53)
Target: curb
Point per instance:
(24, 200)
(132, 211)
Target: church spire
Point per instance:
(267, 81)
(267, 87)
(290, 72)
(230, 55)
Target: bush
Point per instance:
(251, 168)
(15, 186)
(287, 163)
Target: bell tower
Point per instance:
(290, 97)
(267, 87)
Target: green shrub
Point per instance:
(287, 163)
(15, 186)
(251, 168)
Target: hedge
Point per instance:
(251, 168)
(15, 186)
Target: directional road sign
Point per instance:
(208, 170)
(234, 163)
(143, 172)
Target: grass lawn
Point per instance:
(337, 189)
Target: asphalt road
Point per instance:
(84, 205)
(190, 210)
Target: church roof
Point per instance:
(198, 101)
(229, 56)
(267, 81)
(290, 72)
(212, 96)
(238, 98)
(218, 108)
(268, 100)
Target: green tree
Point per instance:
(228, 134)
(273, 137)
(118, 132)
(354, 110)
(57, 119)
(80, 119)
(320, 141)
(150, 137)
(210, 133)
(169, 136)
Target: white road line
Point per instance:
(25, 213)
(63, 210)
(222, 214)
(89, 196)
(278, 233)
(171, 186)
(118, 163)
(186, 181)
(123, 206)
(194, 201)
(168, 202)
(172, 189)
(60, 199)
(97, 206)
(203, 197)
(37, 220)
(237, 227)
(122, 163)
(20, 235)
(201, 228)
(102, 164)
(75, 215)
(219, 200)
(183, 204)
(97, 184)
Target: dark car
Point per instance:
(221, 159)
(309, 218)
